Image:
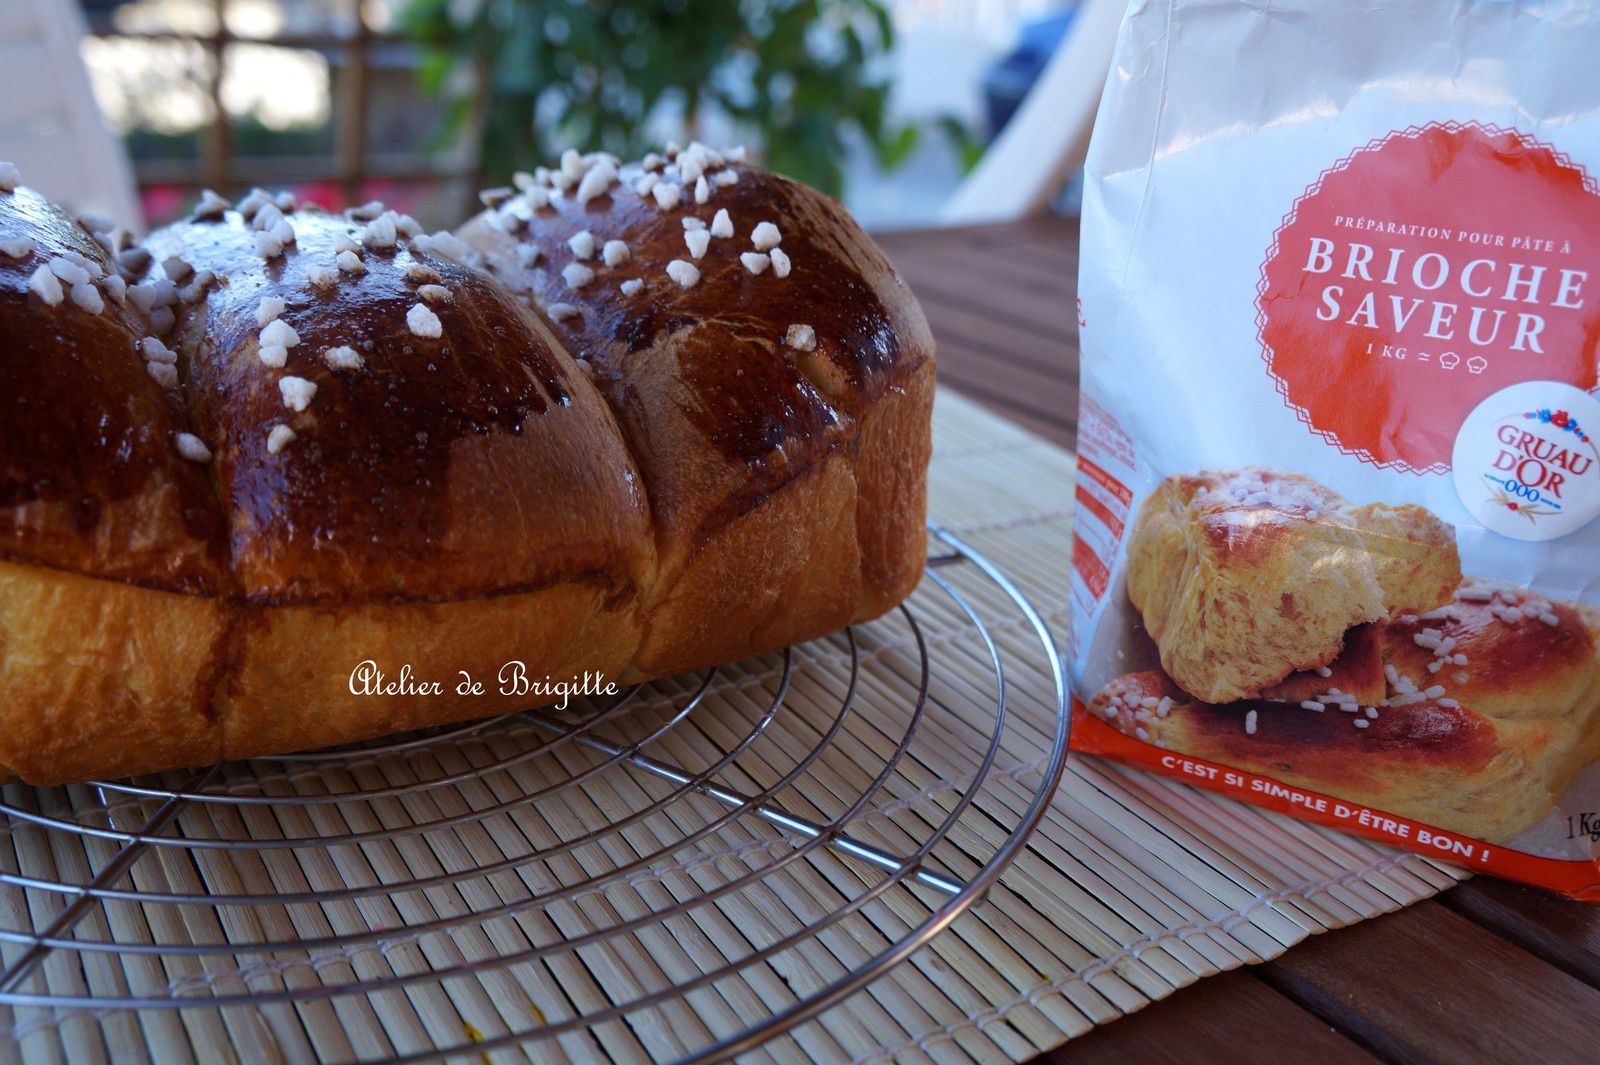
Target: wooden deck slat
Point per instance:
(1030, 269)
(1046, 330)
(1426, 984)
(1564, 933)
(1490, 971)
(1207, 1023)
(1011, 346)
(1038, 298)
(1043, 315)
(1006, 348)
(1048, 396)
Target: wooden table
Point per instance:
(1489, 971)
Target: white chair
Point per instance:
(50, 125)
(1045, 142)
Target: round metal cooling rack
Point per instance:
(841, 768)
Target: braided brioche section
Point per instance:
(288, 442)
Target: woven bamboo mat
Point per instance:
(413, 900)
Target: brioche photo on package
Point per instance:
(1337, 545)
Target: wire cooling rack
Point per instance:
(686, 870)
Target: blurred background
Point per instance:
(886, 103)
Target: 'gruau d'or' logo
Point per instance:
(1526, 461)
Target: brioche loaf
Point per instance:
(270, 443)
(1246, 576)
(1492, 705)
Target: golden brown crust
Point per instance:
(1509, 650)
(1348, 761)
(1358, 670)
(1515, 656)
(292, 668)
(177, 680)
(104, 677)
(691, 491)
(1246, 576)
(1483, 744)
(717, 407)
(786, 570)
(891, 467)
(1440, 765)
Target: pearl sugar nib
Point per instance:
(193, 448)
(297, 392)
(801, 338)
(686, 274)
(343, 358)
(765, 236)
(279, 438)
(421, 320)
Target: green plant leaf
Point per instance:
(967, 144)
(898, 148)
(802, 77)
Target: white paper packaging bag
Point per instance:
(1338, 537)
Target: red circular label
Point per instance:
(1423, 273)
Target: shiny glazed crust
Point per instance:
(89, 480)
(511, 489)
(833, 441)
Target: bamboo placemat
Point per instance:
(1131, 888)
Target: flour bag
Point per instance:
(1337, 547)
